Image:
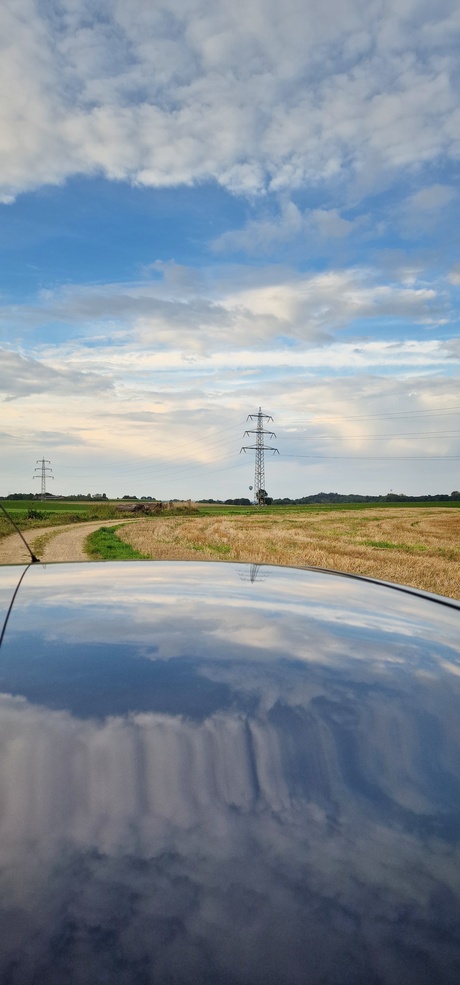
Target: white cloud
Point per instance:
(260, 235)
(250, 94)
(452, 348)
(309, 307)
(330, 224)
(425, 210)
(21, 376)
(137, 369)
(432, 198)
(231, 309)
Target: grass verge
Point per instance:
(30, 519)
(104, 545)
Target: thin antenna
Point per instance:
(260, 448)
(10, 607)
(45, 472)
(34, 559)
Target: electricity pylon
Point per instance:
(45, 472)
(260, 448)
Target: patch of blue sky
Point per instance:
(393, 328)
(91, 230)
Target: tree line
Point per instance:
(321, 497)
(333, 497)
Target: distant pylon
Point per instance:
(45, 471)
(260, 448)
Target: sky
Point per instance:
(207, 208)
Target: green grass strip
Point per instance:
(104, 545)
(409, 548)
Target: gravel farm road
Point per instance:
(64, 543)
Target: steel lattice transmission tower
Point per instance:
(260, 448)
(45, 472)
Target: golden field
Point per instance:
(410, 546)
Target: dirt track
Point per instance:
(59, 544)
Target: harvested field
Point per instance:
(418, 547)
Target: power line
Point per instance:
(114, 467)
(368, 417)
(377, 437)
(152, 468)
(166, 478)
(381, 458)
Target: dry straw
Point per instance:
(418, 547)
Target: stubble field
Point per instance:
(411, 546)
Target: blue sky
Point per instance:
(206, 208)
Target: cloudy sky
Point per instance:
(210, 207)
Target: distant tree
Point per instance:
(21, 496)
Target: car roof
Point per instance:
(228, 773)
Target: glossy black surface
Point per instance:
(10, 577)
(208, 778)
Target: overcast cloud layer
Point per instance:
(208, 208)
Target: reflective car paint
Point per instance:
(217, 773)
(10, 581)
